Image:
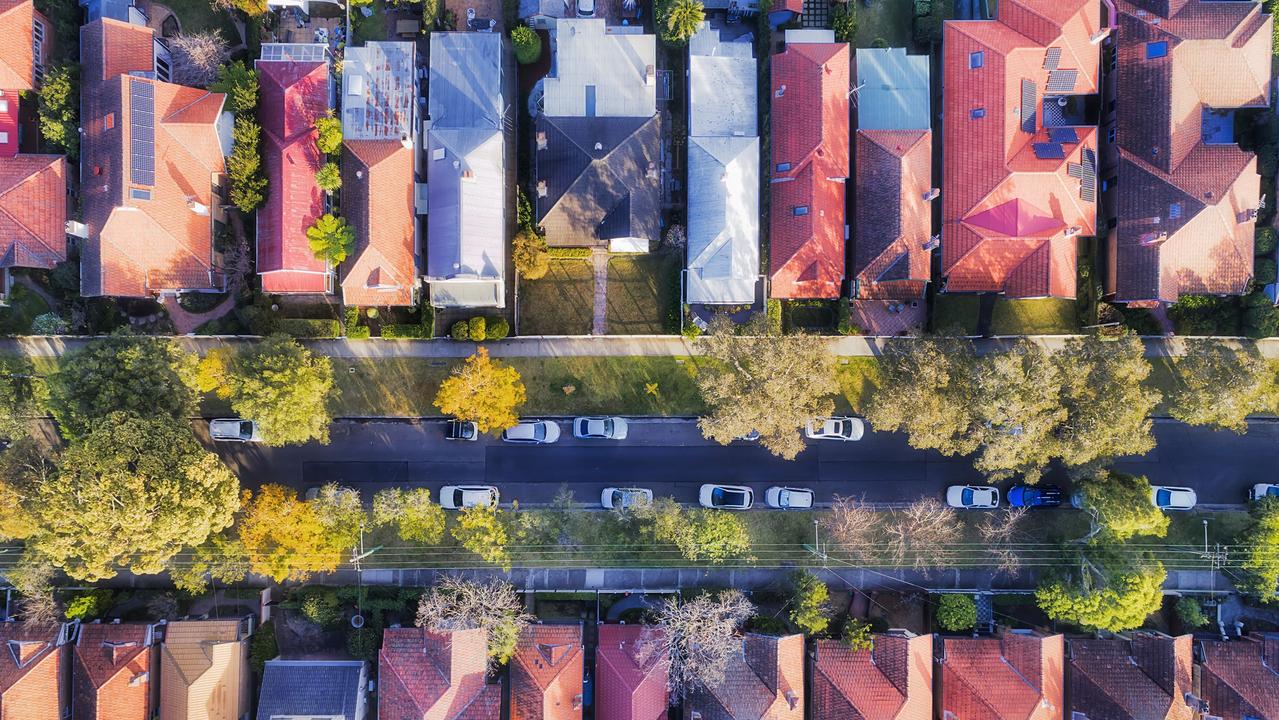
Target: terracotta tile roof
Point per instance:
(111, 673)
(892, 220)
(546, 675)
(30, 660)
(764, 682)
(293, 95)
(810, 121)
(204, 670)
(1240, 678)
(1003, 163)
(33, 211)
(378, 179)
(435, 676)
(1185, 225)
(17, 53)
(630, 677)
(1144, 678)
(1012, 677)
(892, 682)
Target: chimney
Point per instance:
(541, 188)
(932, 194)
(541, 140)
(792, 699)
(650, 75)
(406, 141)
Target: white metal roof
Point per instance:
(723, 219)
(378, 91)
(600, 73)
(892, 90)
(723, 86)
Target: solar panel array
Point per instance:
(1063, 135)
(141, 133)
(1051, 58)
(1062, 81)
(1086, 171)
(1049, 151)
(1028, 95)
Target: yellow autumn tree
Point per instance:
(483, 391)
(286, 538)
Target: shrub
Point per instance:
(308, 328)
(461, 330)
(497, 330)
(262, 647)
(857, 635)
(1266, 242)
(322, 609)
(879, 43)
(64, 279)
(809, 603)
(1190, 613)
(359, 332)
(774, 309)
(478, 328)
(240, 83)
(528, 44)
(244, 166)
(1264, 271)
(403, 332)
(89, 605)
(328, 137)
(1261, 321)
(1141, 321)
(843, 19)
(1204, 315)
(329, 177)
(529, 255)
(49, 324)
(364, 643)
(350, 316)
(570, 253)
(59, 107)
(956, 612)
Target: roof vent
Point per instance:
(1073, 230)
(652, 170)
(1153, 238)
(932, 194)
(541, 140)
(599, 147)
(577, 701)
(792, 699)
(694, 715)
(468, 174)
(781, 90)
(359, 174)
(541, 188)
(650, 75)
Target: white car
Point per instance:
(585, 8)
(972, 497)
(1261, 490)
(1166, 497)
(599, 428)
(460, 497)
(234, 430)
(726, 497)
(788, 498)
(536, 432)
(625, 498)
(835, 428)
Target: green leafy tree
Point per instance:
(244, 166)
(483, 531)
(59, 107)
(528, 46)
(1220, 386)
(415, 517)
(1019, 411)
(328, 134)
(455, 603)
(222, 557)
(1121, 600)
(1121, 507)
(680, 20)
(22, 396)
(285, 538)
(1190, 613)
(329, 178)
(331, 238)
(529, 254)
(284, 387)
(1260, 548)
(23, 468)
(340, 512)
(1106, 399)
(926, 391)
(240, 83)
(131, 493)
(857, 635)
(483, 391)
(431, 13)
(699, 534)
(810, 603)
(843, 20)
(89, 605)
(956, 612)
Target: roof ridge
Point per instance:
(15, 218)
(400, 679)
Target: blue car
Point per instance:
(1032, 496)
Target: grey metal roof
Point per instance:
(313, 688)
(614, 67)
(378, 91)
(466, 80)
(893, 92)
(723, 86)
(723, 219)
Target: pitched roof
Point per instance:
(332, 689)
(630, 674)
(1144, 678)
(894, 681)
(204, 670)
(1240, 678)
(30, 659)
(17, 52)
(1012, 677)
(424, 675)
(891, 218)
(378, 177)
(1017, 99)
(601, 73)
(810, 141)
(894, 91)
(111, 673)
(294, 93)
(1186, 192)
(547, 672)
(33, 211)
(765, 681)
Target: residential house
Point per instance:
(1020, 155)
(379, 119)
(1017, 675)
(893, 169)
(329, 689)
(1186, 194)
(295, 92)
(30, 684)
(424, 675)
(112, 672)
(24, 52)
(597, 161)
(810, 127)
(1142, 677)
(630, 674)
(893, 681)
(466, 170)
(151, 165)
(204, 670)
(723, 171)
(547, 672)
(1239, 679)
(764, 681)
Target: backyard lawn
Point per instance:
(562, 303)
(891, 20)
(1045, 316)
(199, 15)
(369, 28)
(642, 291)
(955, 312)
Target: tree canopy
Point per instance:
(455, 603)
(244, 165)
(415, 517)
(486, 392)
(285, 538)
(282, 386)
(699, 533)
(22, 395)
(483, 531)
(1018, 410)
(1107, 402)
(1220, 385)
(328, 134)
(699, 636)
(1122, 602)
(1121, 506)
(810, 603)
(331, 239)
(926, 391)
(683, 18)
(329, 178)
(240, 83)
(1260, 547)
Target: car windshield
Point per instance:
(539, 432)
(246, 428)
(1163, 497)
(1273, 491)
(458, 497)
(967, 496)
(846, 428)
(608, 427)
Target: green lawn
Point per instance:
(198, 15)
(1045, 316)
(369, 28)
(955, 312)
(642, 291)
(562, 303)
(890, 20)
(24, 306)
(858, 378)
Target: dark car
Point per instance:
(1031, 496)
(460, 430)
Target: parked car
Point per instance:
(461, 430)
(726, 497)
(1032, 496)
(752, 436)
(458, 497)
(599, 428)
(234, 430)
(536, 432)
(972, 497)
(788, 498)
(586, 8)
(835, 428)
(1261, 490)
(625, 498)
(1166, 497)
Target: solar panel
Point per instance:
(142, 132)
(1063, 135)
(1088, 183)
(1049, 151)
(1060, 81)
(1051, 58)
(1028, 94)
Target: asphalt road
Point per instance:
(671, 457)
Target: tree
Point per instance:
(459, 604)
(926, 390)
(483, 531)
(240, 83)
(340, 512)
(430, 13)
(1190, 613)
(699, 636)
(284, 387)
(923, 535)
(285, 538)
(222, 557)
(1122, 602)
(23, 469)
(1220, 386)
(1260, 547)
(700, 534)
(1121, 507)
(252, 8)
(244, 166)
(843, 19)
(32, 578)
(1107, 402)
(328, 134)
(483, 391)
(529, 254)
(682, 19)
(854, 528)
(411, 511)
(810, 603)
(132, 493)
(857, 635)
(528, 46)
(139, 376)
(956, 612)
(22, 394)
(329, 178)
(769, 384)
(197, 59)
(1000, 533)
(331, 239)
(59, 107)
(1018, 410)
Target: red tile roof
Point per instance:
(1009, 216)
(892, 682)
(435, 676)
(377, 177)
(892, 221)
(10, 107)
(810, 121)
(1240, 678)
(630, 676)
(293, 95)
(1185, 225)
(1012, 677)
(17, 52)
(1144, 678)
(33, 211)
(764, 682)
(546, 673)
(30, 659)
(111, 673)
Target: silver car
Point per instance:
(1166, 497)
(726, 497)
(234, 430)
(535, 432)
(460, 497)
(972, 497)
(599, 428)
(835, 428)
(788, 498)
(625, 498)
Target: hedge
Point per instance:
(304, 328)
(1264, 271)
(497, 330)
(358, 332)
(461, 330)
(570, 253)
(404, 332)
(1266, 241)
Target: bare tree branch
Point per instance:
(197, 57)
(700, 636)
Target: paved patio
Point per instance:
(888, 318)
